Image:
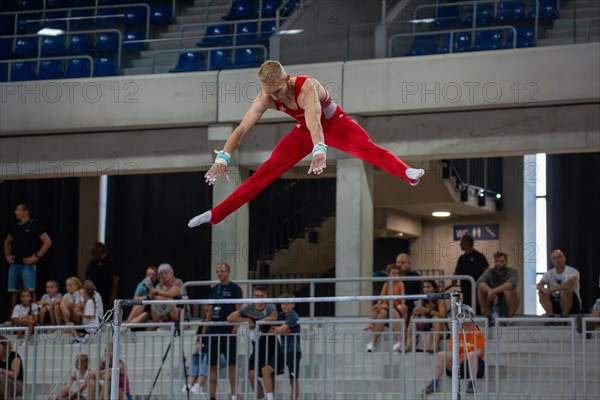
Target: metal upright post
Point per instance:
(114, 387)
(455, 300)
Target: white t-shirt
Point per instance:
(74, 298)
(553, 279)
(20, 311)
(99, 304)
(91, 309)
(53, 300)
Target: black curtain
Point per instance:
(147, 218)
(573, 214)
(55, 205)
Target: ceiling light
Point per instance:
(498, 196)
(422, 21)
(50, 32)
(290, 31)
(441, 214)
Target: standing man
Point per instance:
(102, 272)
(26, 243)
(498, 285)
(559, 287)
(224, 339)
(471, 263)
(410, 287)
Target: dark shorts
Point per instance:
(293, 363)
(463, 366)
(225, 345)
(275, 361)
(575, 308)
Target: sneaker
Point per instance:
(185, 388)
(397, 347)
(196, 389)
(432, 387)
(414, 175)
(470, 388)
(370, 347)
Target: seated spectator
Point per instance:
(92, 311)
(26, 312)
(199, 367)
(11, 371)
(50, 303)
(410, 287)
(559, 287)
(80, 383)
(497, 287)
(71, 305)
(428, 309)
(380, 311)
(167, 288)
(105, 371)
(141, 313)
(472, 345)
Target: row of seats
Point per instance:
(54, 69)
(246, 9)
(219, 59)
(244, 32)
(27, 47)
(454, 16)
(492, 39)
(30, 5)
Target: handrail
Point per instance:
(9, 62)
(204, 49)
(452, 32)
(589, 28)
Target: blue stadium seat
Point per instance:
(219, 59)
(53, 46)
(134, 35)
(105, 66)
(510, 11)
(55, 20)
(485, 14)
(135, 16)
(106, 41)
(488, 40)
(6, 46)
(26, 47)
(50, 69)
(548, 9)
(31, 5)
(82, 3)
(267, 28)
(290, 7)
(425, 44)
(3, 72)
(78, 68)
(216, 35)
(82, 19)
(241, 9)
(57, 4)
(29, 23)
(525, 37)
(161, 15)
(79, 44)
(246, 33)
(462, 42)
(7, 24)
(8, 5)
(247, 58)
(189, 62)
(269, 8)
(447, 16)
(108, 17)
(23, 71)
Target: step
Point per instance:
(588, 12)
(578, 37)
(573, 4)
(566, 40)
(568, 23)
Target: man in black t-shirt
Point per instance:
(26, 243)
(471, 263)
(410, 287)
(224, 341)
(103, 273)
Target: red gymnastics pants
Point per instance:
(343, 134)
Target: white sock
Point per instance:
(270, 396)
(234, 397)
(200, 219)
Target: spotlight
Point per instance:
(464, 194)
(481, 199)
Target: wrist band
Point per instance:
(319, 148)
(223, 157)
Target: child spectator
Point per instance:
(427, 309)
(49, 305)
(81, 378)
(92, 312)
(26, 312)
(71, 305)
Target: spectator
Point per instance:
(11, 371)
(92, 311)
(559, 287)
(71, 305)
(22, 251)
(498, 287)
(471, 263)
(427, 309)
(167, 288)
(105, 371)
(410, 287)
(25, 313)
(269, 351)
(472, 344)
(224, 341)
(103, 273)
(82, 379)
(380, 311)
(199, 367)
(290, 331)
(49, 305)
(141, 313)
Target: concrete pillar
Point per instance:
(89, 210)
(229, 238)
(354, 233)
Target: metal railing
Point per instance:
(588, 28)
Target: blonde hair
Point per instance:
(74, 280)
(270, 71)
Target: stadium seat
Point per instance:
(108, 17)
(462, 42)
(136, 35)
(3, 72)
(241, 9)
(548, 9)
(23, 71)
(269, 8)
(78, 68)
(290, 7)
(447, 16)
(55, 20)
(106, 41)
(79, 44)
(8, 5)
(6, 46)
(29, 22)
(50, 69)
(219, 59)
(161, 15)
(488, 40)
(247, 58)
(31, 5)
(82, 3)
(485, 14)
(82, 19)
(26, 47)
(57, 4)
(510, 11)
(424, 44)
(189, 62)
(216, 35)
(246, 33)
(7, 24)
(267, 28)
(105, 66)
(53, 46)
(135, 16)
(525, 37)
